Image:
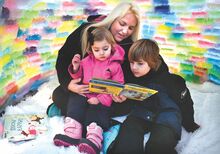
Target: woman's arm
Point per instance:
(71, 47)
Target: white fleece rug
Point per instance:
(206, 140)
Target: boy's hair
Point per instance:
(147, 50)
(99, 34)
(118, 12)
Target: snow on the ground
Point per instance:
(206, 140)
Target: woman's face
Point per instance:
(123, 27)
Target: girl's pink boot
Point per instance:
(93, 142)
(73, 133)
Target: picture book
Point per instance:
(131, 91)
(24, 127)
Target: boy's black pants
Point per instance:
(131, 137)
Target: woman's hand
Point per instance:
(75, 87)
(119, 99)
(93, 101)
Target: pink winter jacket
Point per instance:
(108, 69)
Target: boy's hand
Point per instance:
(76, 62)
(93, 101)
(119, 99)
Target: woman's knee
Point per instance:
(60, 99)
(59, 94)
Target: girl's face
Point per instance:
(139, 68)
(123, 27)
(101, 50)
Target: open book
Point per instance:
(24, 127)
(131, 91)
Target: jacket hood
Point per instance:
(118, 53)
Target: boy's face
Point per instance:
(101, 50)
(139, 68)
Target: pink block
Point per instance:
(199, 14)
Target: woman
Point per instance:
(123, 22)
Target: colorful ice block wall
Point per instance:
(32, 32)
(188, 32)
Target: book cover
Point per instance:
(131, 91)
(24, 127)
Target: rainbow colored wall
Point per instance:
(188, 32)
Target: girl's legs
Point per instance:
(97, 119)
(92, 144)
(99, 114)
(72, 128)
(76, 110)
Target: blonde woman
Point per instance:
(124, 24)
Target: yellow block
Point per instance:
(31, 71)
(40, 6)
(164, 28)
(198, 49)
(204, 65)
(25, 23)
(19, 45)
(59, 40)
(1, 29)
(193, 28)
(6, 43)
(67, 26)
(4, 60)
(211, 38)
(168, 53)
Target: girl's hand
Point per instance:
(75, 87)
(119, 99)
(93, 101)
(76, 62)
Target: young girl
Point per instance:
(103, 61)
(158, 114)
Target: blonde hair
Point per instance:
(147, 50)
(99, 34)
(118, 12)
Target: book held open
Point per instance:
(131, 91)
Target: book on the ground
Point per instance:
(131, 91)
(24, 127)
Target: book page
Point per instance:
(137, 92)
